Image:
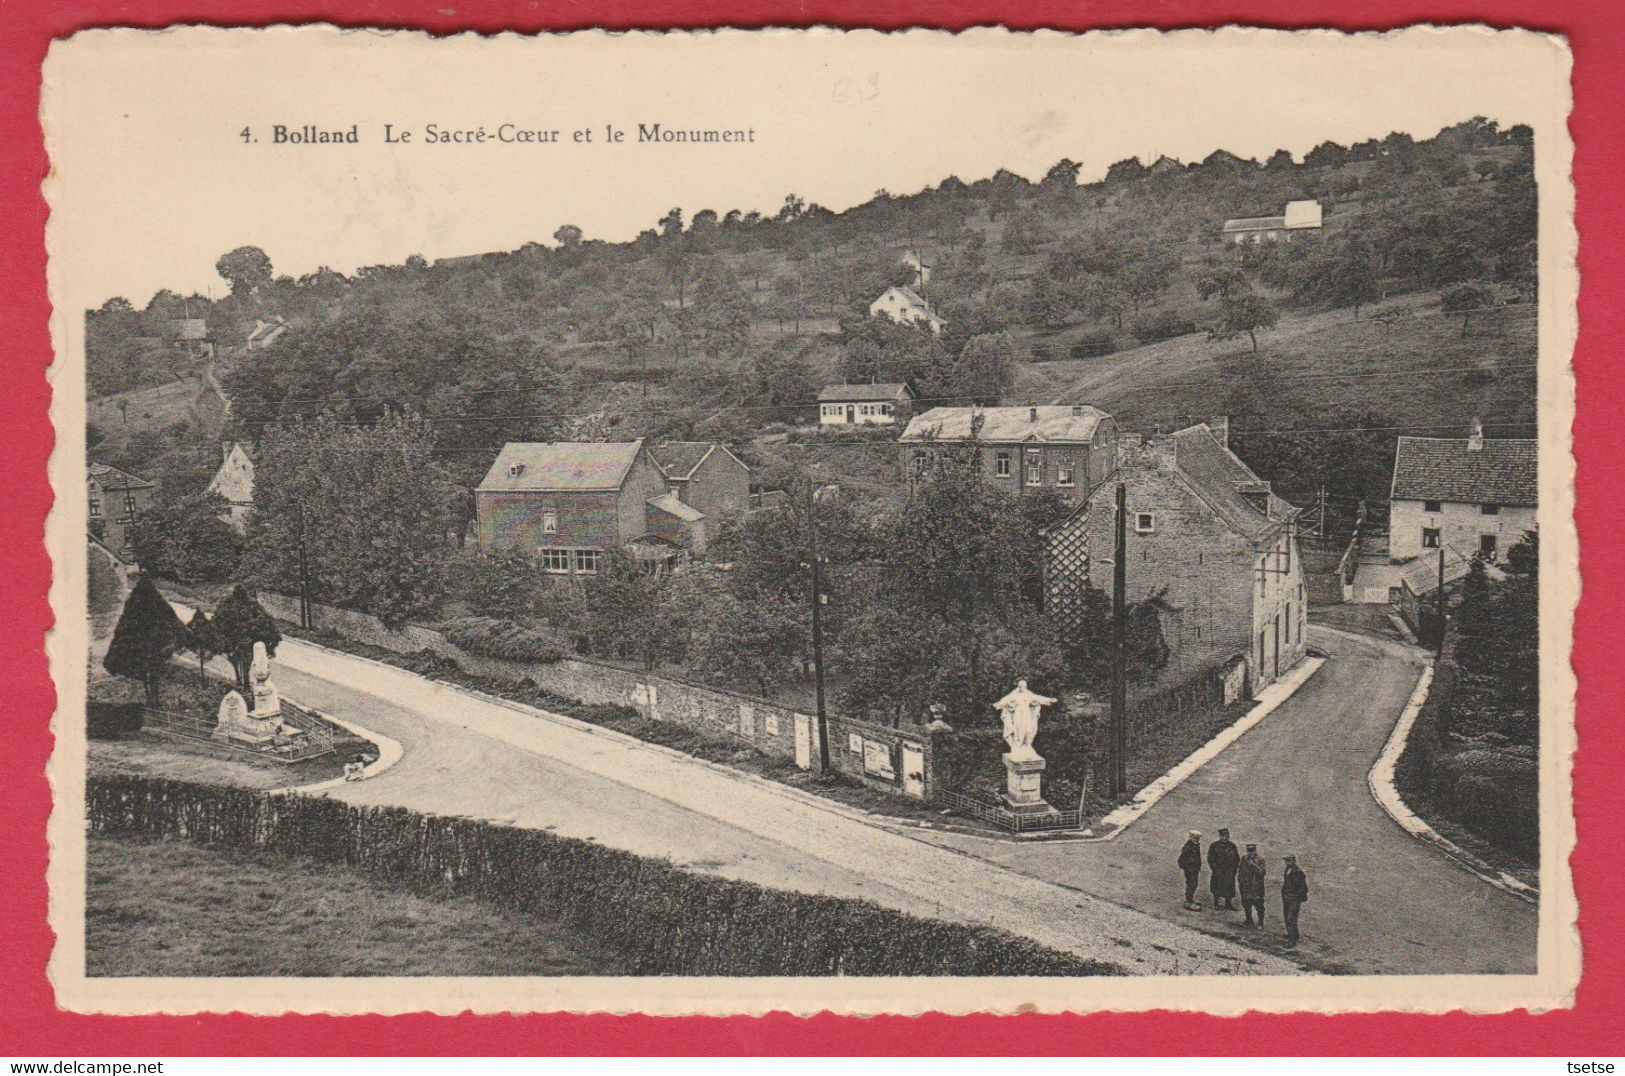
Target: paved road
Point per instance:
(465, 755)
(1380, 902)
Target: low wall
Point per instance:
(769, 727)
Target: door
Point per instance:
(913, 770)
(803, 742)
(851, 414)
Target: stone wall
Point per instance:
(899, 760)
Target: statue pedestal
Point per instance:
(1024, 784)
(236, 723)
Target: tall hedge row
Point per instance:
(663, 920)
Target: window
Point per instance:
(588, 561)
(919, 461)
(1001, 464)
(556, 560)
(95, 508)
(550, 522)
(1145, 523)
(1430, 537)
(1035, 473)
(1431, 506)
(1486, 546)
(1063, 474)
(1490, 509)
(887, 409)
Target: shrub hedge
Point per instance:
(665, 921)
(1092, 345)
(111, 720)
(497, 638)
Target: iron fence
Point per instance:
(308, 736)
(1005, 819)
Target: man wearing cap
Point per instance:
(1222, 861)
(1250, 877)
(1294, 891)
(1190, 861)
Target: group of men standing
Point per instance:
(1230, 871)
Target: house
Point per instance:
(919, 266)
(1165, 166)
(1069, 448)
(904, 306)
(1208, 536)
(1474, 495)
(1298, 218)
(264, 333)
(572, 501)
(117, 500)
(705, 476)
(234, 483)
(863, 405)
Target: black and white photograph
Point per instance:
(811, 520)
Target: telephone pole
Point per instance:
(818, 625)
(304, 576)
(1439, 645)
(1119, 734)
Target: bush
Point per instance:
(664, 920)
(1162, 324)
(1495, 793)
(1093, 345)
(503, 639)
(111, 720)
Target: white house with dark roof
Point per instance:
(1067, 448)
(863, 405)
(1473, 495)
(1298, 218)
(234, 484)
(905, 306)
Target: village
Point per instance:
(935, 621)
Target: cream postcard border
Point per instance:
(66, 645)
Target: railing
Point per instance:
(311, 738)
(1005, 819)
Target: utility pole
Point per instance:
(1120, 649)
(304, 576)
(1439, 645)
(1320, 519)
(818, 626)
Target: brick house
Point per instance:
(863, 405)
(1068, 448)
(705, 476)
(570, 502)
(234, 483)
(116, 501)
(1473, 495)
(1205, 531)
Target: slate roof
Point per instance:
(1217, 476)
(1253, 224)
(1421, 576)
(679, 458)
(560, 465)
(110, 476)
(1075, 423)
(1444, 469)
(863, 393)
(668, 503)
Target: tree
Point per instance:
(146, 637)
(1467, 300)
(1244, 312)
(202, 640)
(240, 622)
(1347, 277)
(247, 269)
(187, 539)
(568, 237)
(671, 225)
(1062, 176)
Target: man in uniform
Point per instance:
(1294, 891)
(1222, 861)
(1190, 861)
(1250, 877)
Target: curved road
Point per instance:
(1380, 902)
(470, 755)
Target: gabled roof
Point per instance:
(888, 391)
(1253, 224)
(679, 459)
(110, 476)
(1503, 471)
(1421, 576)
(1074, 423)
(669, 504)
(560, 465)
(1218, 477)
(908, 293)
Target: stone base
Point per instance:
(254, 735)
(1024, 783)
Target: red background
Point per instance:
(30, 1023)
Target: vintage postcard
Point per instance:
(811, 520)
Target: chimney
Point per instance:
(1221, 429)
(1475, 439)
(1032, 414)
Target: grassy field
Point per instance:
(162, 908)
(1404, 360)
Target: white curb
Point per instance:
(389, 753)
(1381, 782)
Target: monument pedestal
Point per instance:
(238, 724)
(1024, 785)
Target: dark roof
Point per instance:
(863, 393)
(1218, 477)
(560, 465)
(110, 476)
(1253, 224)
(1003, 425)
(1503, 471)
(679, 458)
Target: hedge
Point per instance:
(663, 920)
(498, 638)
(112, 720)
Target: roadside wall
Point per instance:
(775, 730)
